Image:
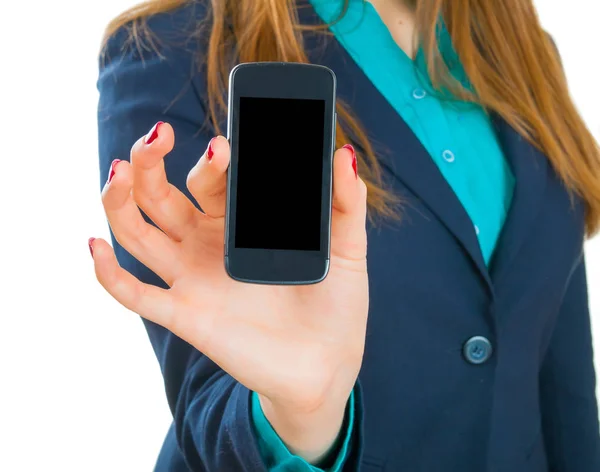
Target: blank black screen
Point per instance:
(280, 167)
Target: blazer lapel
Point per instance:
(531, 170)
(399, 149)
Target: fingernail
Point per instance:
(354, 166)
(211, 152)
(111, 172)
(153, 133)
(90, 241)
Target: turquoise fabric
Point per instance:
(459, 137)
(274, 452)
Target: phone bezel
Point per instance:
(280, 80)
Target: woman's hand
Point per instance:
(299, 347)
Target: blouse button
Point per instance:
(419, 93)
(477, 230)
(448, 156)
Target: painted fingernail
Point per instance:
(211, 152)
(153, 133)
(90, 242)
(354, 166)
(111, 172)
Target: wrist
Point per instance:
(308, 434)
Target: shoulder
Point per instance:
(149, 72)
(173, 39)
(152, 70)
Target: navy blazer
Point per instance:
(424, 404)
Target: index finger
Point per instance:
(164, 203)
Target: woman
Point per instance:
(481, 182)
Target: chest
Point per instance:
(435, 250)
(458, 136)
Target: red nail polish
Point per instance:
(211, 152)
(153, 133)
(354, 163)
(111, 172)
(90, 241)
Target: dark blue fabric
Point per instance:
(421, 406)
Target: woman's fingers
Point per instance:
(149, 301)
(164, 203)
(348, 232)
(207, 180)
(145, 242)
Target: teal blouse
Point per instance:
(458, 135)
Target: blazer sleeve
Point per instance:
(568, 385)
(141, 84)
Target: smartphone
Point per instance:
(281, 129)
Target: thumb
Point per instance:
(349, 211)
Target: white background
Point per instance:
(80, 389)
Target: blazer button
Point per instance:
(477, 350)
